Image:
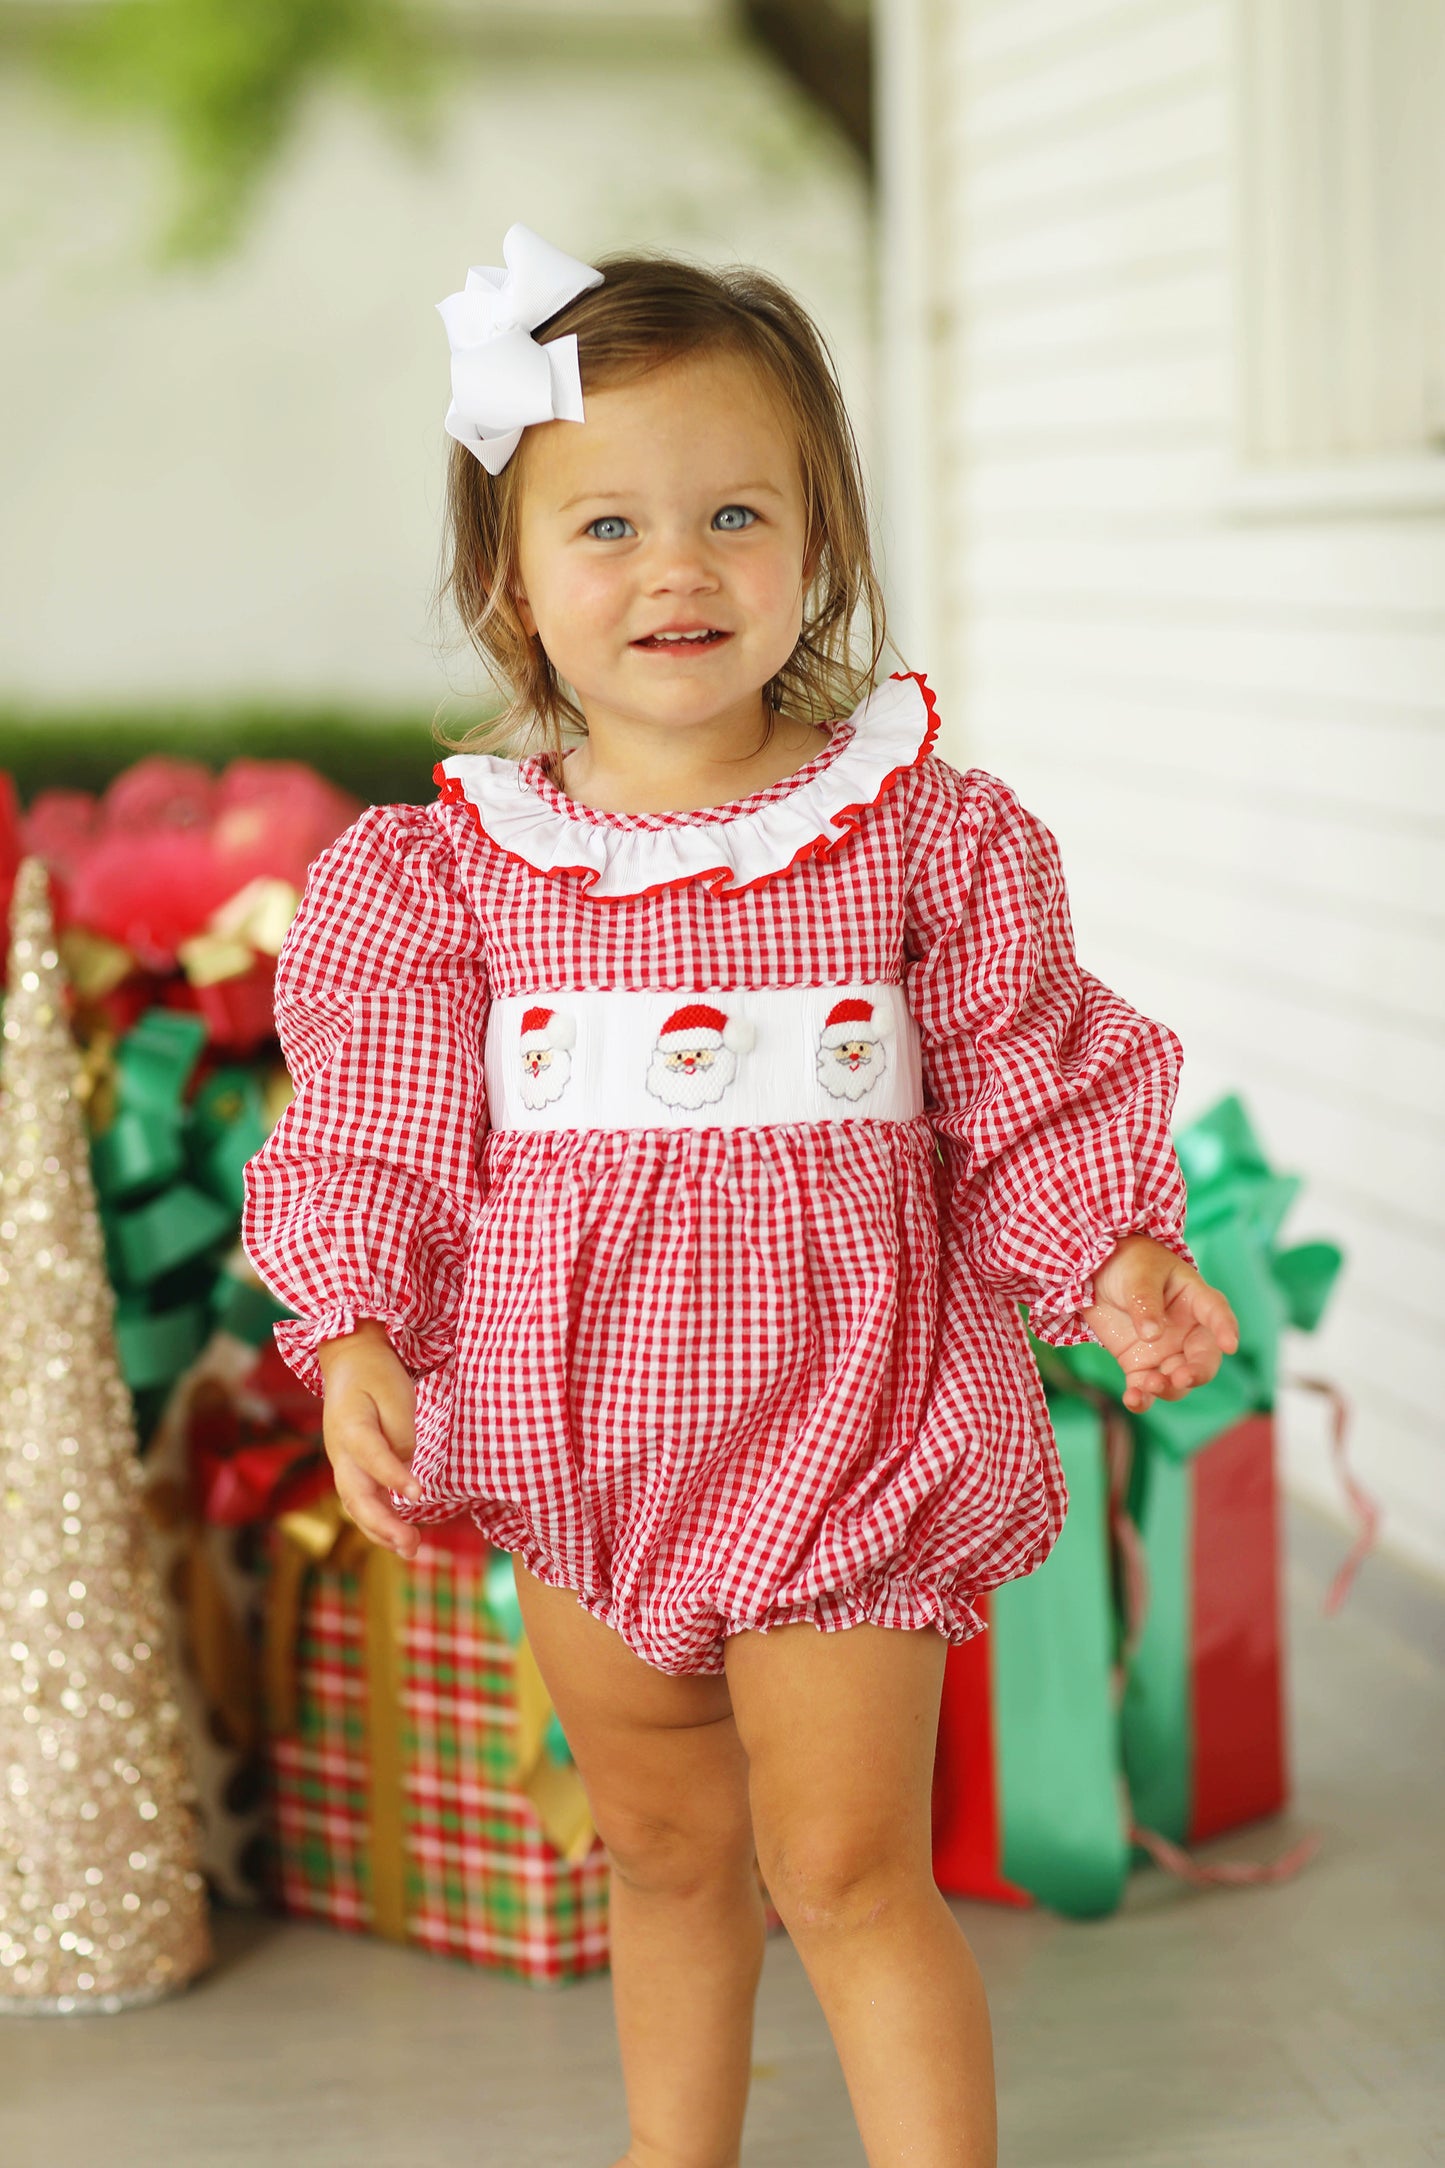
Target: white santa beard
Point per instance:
(843, 1082)
(549, 1080)
(700, 1087)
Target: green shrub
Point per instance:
(384, 759)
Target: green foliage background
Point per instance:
(223, 81)
(383, 759)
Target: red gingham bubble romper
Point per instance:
(696, 1164)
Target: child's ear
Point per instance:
(524, 611)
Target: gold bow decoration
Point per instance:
(322, 1531)
(554, 1788)
(94, 964)
(249, 924)
(212, 1635)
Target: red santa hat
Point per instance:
(698, 1023)
(547, 1027)
(853, 1018)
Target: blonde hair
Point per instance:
(653, 309)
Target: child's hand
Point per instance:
(1167, 1328)
(367, 1422)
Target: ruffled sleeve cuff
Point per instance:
(1055, 1314)
(299, 1340)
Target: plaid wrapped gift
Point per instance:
(414, 1791)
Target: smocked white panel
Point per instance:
(613, 1076)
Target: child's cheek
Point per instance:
(770, 583)
(597, 599)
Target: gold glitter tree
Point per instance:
(102, 1905)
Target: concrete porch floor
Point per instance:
(1289, 2027)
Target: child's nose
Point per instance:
(680, 563)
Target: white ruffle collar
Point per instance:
(516, 807)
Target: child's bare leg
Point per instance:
(840, 1729)
(667, 1781)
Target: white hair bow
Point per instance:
(502, 379)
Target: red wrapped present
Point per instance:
(1128, 1698)
(1027, 1802)
(1204, 1706)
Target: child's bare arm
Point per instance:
(368, 1427)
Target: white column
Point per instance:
(907, 57)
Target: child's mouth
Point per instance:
(687, 644)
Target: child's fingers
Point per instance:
(1152, 1384)
(1178, 1374)
(356, 1432)
(372, 1512)
(1195, 1344)
(1212, 1311)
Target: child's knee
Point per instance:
(676, 1855)
(829, 1874)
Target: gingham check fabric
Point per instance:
(482, 1881)
(716, 1379)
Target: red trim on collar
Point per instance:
(453, 793)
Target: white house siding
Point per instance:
(226, 482)
(1236, 727)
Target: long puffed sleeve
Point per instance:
(361, 1201)
(1049, 1095)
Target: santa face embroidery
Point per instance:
(696, 1055)
(546, 1055)
(851, 1053)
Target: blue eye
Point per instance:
(609, 519)
(727, 508)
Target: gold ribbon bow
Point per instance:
(322, 1531)
(211, 1632)
(251, 923)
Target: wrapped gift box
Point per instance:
(1204, 1704)
(237, 1442)
(1133, 1688)
(417, 1790)
(1203, 1717)
(1027, 1801)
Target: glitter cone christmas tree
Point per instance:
(102, 1904)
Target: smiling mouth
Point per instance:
(686, 644)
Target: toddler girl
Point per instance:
(681, 1119)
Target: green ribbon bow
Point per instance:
(168, 1177)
